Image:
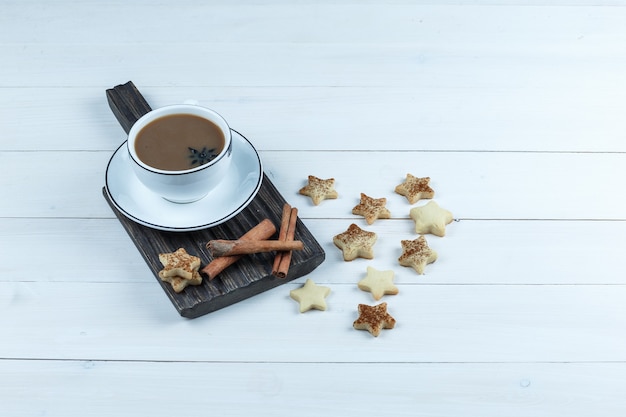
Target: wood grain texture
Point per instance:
(436, 323)
(404, 389)
(249, 276)
(513, 108)
(127, 104)
(517, 117)
(474, 252)
(482, 185)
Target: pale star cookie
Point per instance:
(310, 296)
(417, 254)
(355, 242)
(431, 218)
(372, 208)
(414, 188)
(378, 283)
(319, 189)
(374, 319)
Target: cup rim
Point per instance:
(194, 109)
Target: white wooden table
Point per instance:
(516, 112)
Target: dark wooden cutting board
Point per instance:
(251, 275)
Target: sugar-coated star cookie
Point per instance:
(374, 319)
(431, 218)
(310, 296)
(378, 283)
(372, 208)
(319, 189)
(417, 254)
(355, 242)
(414, 188)
(179, 263)
(180, 283)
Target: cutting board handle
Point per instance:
(127, 104)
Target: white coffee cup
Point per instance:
(182, 186)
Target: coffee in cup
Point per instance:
(180, 152)
(179, 142)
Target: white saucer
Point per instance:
(225, 201)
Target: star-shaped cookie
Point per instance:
(417, 254)
(372, 208)
(415, 189)
(355, 242)
(310, 296)
(179, 263)
(319, 189)
(179, 283)
(378, 283)
(431, 218)
(374, 319)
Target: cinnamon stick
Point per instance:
(282, 235)
(285, 260)
(264, 230)
(221, 247)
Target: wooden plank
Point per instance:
(127, 104)
(517, 317)
(577, 65)
(476, 118)
(473, 185)
(251, 275)
(279, 389)
(473, 252)
(435, 323)
(469, 21)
